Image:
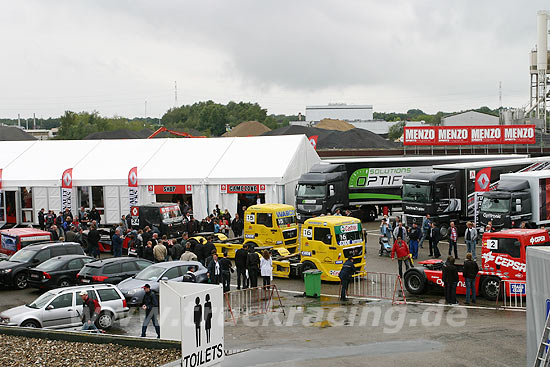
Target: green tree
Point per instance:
(396, 131)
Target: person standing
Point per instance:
(453, 236)
(90, 311)
(385, 230)
(434, 241)
(148, 251)
(150, 305)
(214, 270)
(160, 252)
(470, 237)
(41, 221)
(266, 268)
(426, 228)
(241, 258)
(414, 235)
(117, 244)
(450, 279)
(93, 242)
(345, 275)
(400, 231)
(470, 271)
(188, 255)
(177, 250)
(225, 265)
(237, 226)
(401, 251)
(253, 264)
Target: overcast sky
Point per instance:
(112, 56)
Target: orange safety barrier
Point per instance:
(377, 285)
(251, 302)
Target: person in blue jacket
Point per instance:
(346, 273)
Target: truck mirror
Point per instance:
(518, 208)
(331, 190)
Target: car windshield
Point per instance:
(91, 270)
(419, 193)
(42, 300)
(150, 273)
(51, 264)
(494, 205)
(284, 221)
(312, 191)
(170, 213)
(23, 256)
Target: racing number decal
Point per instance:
(135, 221)
(250, 218)
(308, 232)
(492, 244)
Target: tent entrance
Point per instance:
(10, 207)
(184, 200)
(248, 200)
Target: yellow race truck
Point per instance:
(271, 225)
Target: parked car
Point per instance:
(14, 272)
(62, 308)
(112, 270)
(132, 288)
(58, 271)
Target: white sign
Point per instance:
(492, 244)
(250, 218)
(193, 313)
(66, 198)
(133, 196)
(308, 232)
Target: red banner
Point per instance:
(67, 179)
(172, 189)
(313, 140)
(242, 189)
(469, 135)
(132, 178)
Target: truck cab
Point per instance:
(271, 225)
(167, 217)
(328, 241)
(15, 239)
(507, 206)
(322, 190)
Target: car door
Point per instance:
(60, 312)
(79, 303)
(73, 267)
(113, 272)
(129, 268)
(173, 274)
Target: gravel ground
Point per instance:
(22, 351)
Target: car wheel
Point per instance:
(105, 320)
(415, 282)
(64, 283)
(30, 323)
(21, 280)
(491, 288)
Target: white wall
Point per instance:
(342, 112)
(470, 118)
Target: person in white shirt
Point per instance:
(266, 268)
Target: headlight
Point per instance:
(133, 291)
(6, 271)
(4, 320)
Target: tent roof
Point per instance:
(265, 159)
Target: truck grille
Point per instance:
(290, 242)
(309, 208)
(290, 233)
(353, 251)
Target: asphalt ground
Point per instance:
(321, 332)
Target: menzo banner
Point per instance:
(469, 135)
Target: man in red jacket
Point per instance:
(401, 251)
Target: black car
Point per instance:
(15, 271)
(58, 271)
(112, 270)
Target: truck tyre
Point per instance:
(372, 214)
(415, 281)
(307, 265)
(491, 288)
(444, 231)
(250, 243)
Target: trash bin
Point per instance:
(312, 283)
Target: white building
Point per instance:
(469, 118)
(204, 172)
(344, 112)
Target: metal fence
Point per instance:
(512, 293)
(251, 302)
(377, 285)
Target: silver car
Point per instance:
(62, 308)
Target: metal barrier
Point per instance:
(251, 302)
(512, 293)
(377, 285)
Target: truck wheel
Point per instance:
(415, 282)
(307, 265)
(250, 243)
(444, 231)
(491, 288)
(371, 214)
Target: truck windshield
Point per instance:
(348, 234)
(494, 205)
(312, 191)
(286, 220)
(420, 193)
(170, 213)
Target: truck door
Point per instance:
(506, 254)
(265, 228)
(323, 242)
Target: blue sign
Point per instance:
(517, 288)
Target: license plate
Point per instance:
(85, 280)
(34, 275)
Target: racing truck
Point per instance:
(14, 239)
(503, 259)
(166, 217)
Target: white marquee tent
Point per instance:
(205, 171)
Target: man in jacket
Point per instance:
(41, 220)
(117, 244)
(93, 242)
(401, 251)
(188, 255)
(253, 267)
(400, 231)
(90, 311)
(345, 275)
(208, 248)
(160, 252)
(426, 228)
(241, 260)
(414, 235)
(470, 237)
(177, 250)
(214, 270)
(450, 279)
(434, 237)
(470, 271)
(225, 265)
(71, 235)
(148, 251)
(150, 305)
(237, 226)
(453, 236)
